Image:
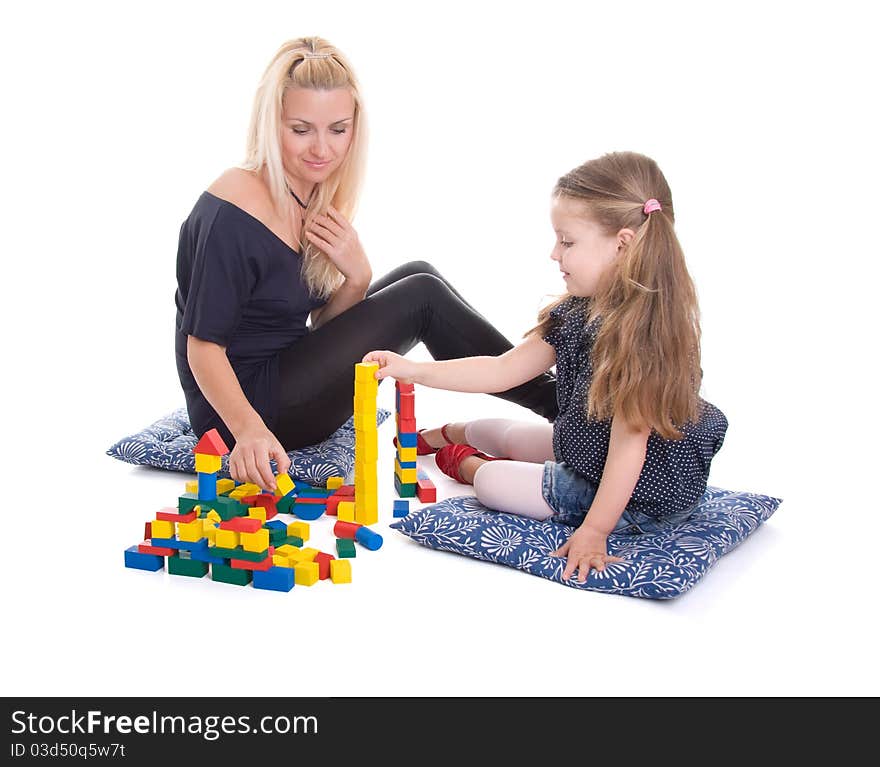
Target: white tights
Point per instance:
(512, 486)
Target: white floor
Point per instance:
(770, 618)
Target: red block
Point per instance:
(266, 500)
(244, 564)
(406, 425)
(405, 388)
(162, 551)
(310, 499)
(173, 516)
(332, 503)
(148, 530)
(346, 491)
(242, 524)
(211, 443)
(323, 560)
(407, 406)
(345, 529)
(426, 491)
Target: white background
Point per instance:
(117, 116)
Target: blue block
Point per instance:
(407, 439)
(173, 543)
(401, 508)
(274, 579)
(308, 510)
(137, 560)
(207, 486)
(368, 538)
(407, 464)
(275, 524)
(202, 555)
(422, 474)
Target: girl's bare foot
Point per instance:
(435, 438)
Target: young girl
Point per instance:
(633, 441)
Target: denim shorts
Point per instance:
(570, 495)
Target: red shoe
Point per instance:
(422, 446)
(449, 458)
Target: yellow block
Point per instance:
(190, 531)
(345, 511)
(406, 454)
(279, 560)
(284, 482)
(366, 451)
(364, 420)
(223, 486)
(340, 570)
(192, 486)
(226, 539)
(258, 512)
(334, 482)
(366, 513)
(365, 403)
(207, 464)
(406, 475)
(299, 529)
(306, 573)
(258, 541)
(244, 490)
(366, 371)
(210, 532)
(287, 550)
(213, 516)
(309, 553)
(162, 529)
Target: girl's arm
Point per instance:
(587, 546)
(470, 374)
(254, 443)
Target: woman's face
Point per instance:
(316, 131)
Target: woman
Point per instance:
(274, 297)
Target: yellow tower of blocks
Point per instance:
(366, 444)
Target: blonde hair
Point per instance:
(307, 62)
(646, 356)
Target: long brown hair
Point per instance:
(646, 356)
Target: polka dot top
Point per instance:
(675, 472)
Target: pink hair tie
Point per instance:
(651, 205)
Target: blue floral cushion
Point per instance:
(658, 566)
(169, 443)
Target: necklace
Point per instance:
(302, 204)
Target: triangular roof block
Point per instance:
(211, 443)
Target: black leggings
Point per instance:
(411, 304)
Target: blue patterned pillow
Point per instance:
(658, 566)
(169, 443)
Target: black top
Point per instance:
(675, 472)
(238, 285)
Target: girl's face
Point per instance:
(583, 251)
(316, 131)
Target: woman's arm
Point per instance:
(587, 547)
(254, 443)
(471, 374)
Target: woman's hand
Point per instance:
(249, 459)
(586, 548)
(333, 234)
(393, 365)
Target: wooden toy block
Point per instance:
(406, 404)
(208, 464)
(191, 531)
(242, 524)
(285, 505)
(174, 543)
(310, 511)
(306, 573)
(187, 502)
(314, 492)
(191, 567)
(162, 551)
(137, 560)
(401, 508)
(148, 531)
(333, 505)
(407, 438)
(345, 547)
(308, 553)
(248, 564)
(406, 454)
(406, 426)
(334, 483)
(407, 476)
(204, 555)
(404, 387)
(172, 516)
(426, 491)
(279, 560)
(258, 541)
(366, 513)
(207, 487)
(210, 531)
(405, 489)
(276, 524)
(369, 538)
(257, 513)
(227, 507)
(345, 529)
(364, 421)
(324, 561)
(266, 500)
(211, 443)
(213, 516)
(284, 483)
(192, 486)
(160, 528)
(366, 451)
(302, 500)
(345, 491)
(366, 371)
(340, 571)
(227, 539)
(245, 489)
(345, 511)
(225, 486)
(299, 529)
(275, 579)
(364, 403)
(228, 574)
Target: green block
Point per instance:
(405, 489)
(228, 508)
(284, 505)
(238, 553)
(345, 547)
(187, 502)
(293, 540)
(190, 567)
(315, 492)
(277, 537)
(228, 574)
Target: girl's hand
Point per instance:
(393, 365)
(249, 459)
(332, 233)
(587, 548)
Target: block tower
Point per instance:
(405, 467)
(366, 444)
